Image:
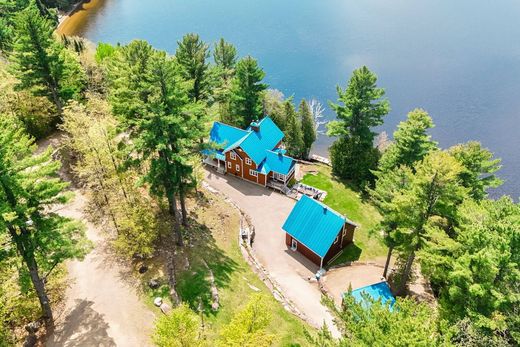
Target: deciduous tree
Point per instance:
(180, 328)
(293, 130)
(248, 326)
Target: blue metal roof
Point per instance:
(226, 135)
(278, 162)
(314, 224)
(256, 143)
(378, 291)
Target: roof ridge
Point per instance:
(326, 206)
(231, 126)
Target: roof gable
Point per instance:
(314, 224)
(226, 135)
(256, 143)
(276, 161)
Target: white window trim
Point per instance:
(233, 155)
(248, 161)
(253, 173)
(237, 167)
(294, 244)
(229, 164)
(336, 240)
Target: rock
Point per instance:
(253, 287)
(143, 269)
(30, 341)
(32, 327)
(154, 283)
(157, 302)
(165, 308)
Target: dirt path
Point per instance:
(102, 306)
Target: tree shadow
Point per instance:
(350, 253)
(83, 326)
(194, 284)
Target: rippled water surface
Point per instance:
(460, 60)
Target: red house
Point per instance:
(317, 231)
(254, 154)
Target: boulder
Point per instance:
(32, 327)
(30, 341)
(157, 302)
(154, 283)
(143, 269)
(165, 308)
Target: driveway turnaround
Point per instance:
(268, 211)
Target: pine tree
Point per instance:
(429, 200)
(225, 56)
(411, 142)
(192, 54)
(308, 127)
(153, 105)
(42, 64)
(479, 168)
(360, 107)
(29, 190)
(246, 92)
(293, 131)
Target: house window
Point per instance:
(237, 167)
(253, 173)
(248, 161)
(233, 155)
(229, 164)
(294, 244)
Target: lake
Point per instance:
(459, 60)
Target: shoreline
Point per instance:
(69, 22)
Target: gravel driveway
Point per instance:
(268, 211)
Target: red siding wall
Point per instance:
(243, 171)
(344, 239)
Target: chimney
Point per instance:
(255, 126)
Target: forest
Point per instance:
(135, 120)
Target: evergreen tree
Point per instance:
(479, 168)
(411, 142)
(29, 191)
(225, 56)
(308, 127)
(428, 199)
(246, 92)
(293, 131)
(273, 101)
(477, 272)
(360, 107)
(192, 54)
(153, 105)
(42, 64)
(371, 323)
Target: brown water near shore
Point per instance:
(73, 23)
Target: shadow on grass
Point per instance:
(351, 253)
(194, 284)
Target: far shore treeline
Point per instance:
(136, 118)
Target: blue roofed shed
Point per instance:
(317, 231)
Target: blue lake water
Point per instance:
(459, 60)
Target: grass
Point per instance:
(342, 198)
(214, 226)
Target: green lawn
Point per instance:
(367, 245)
(214, 231)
